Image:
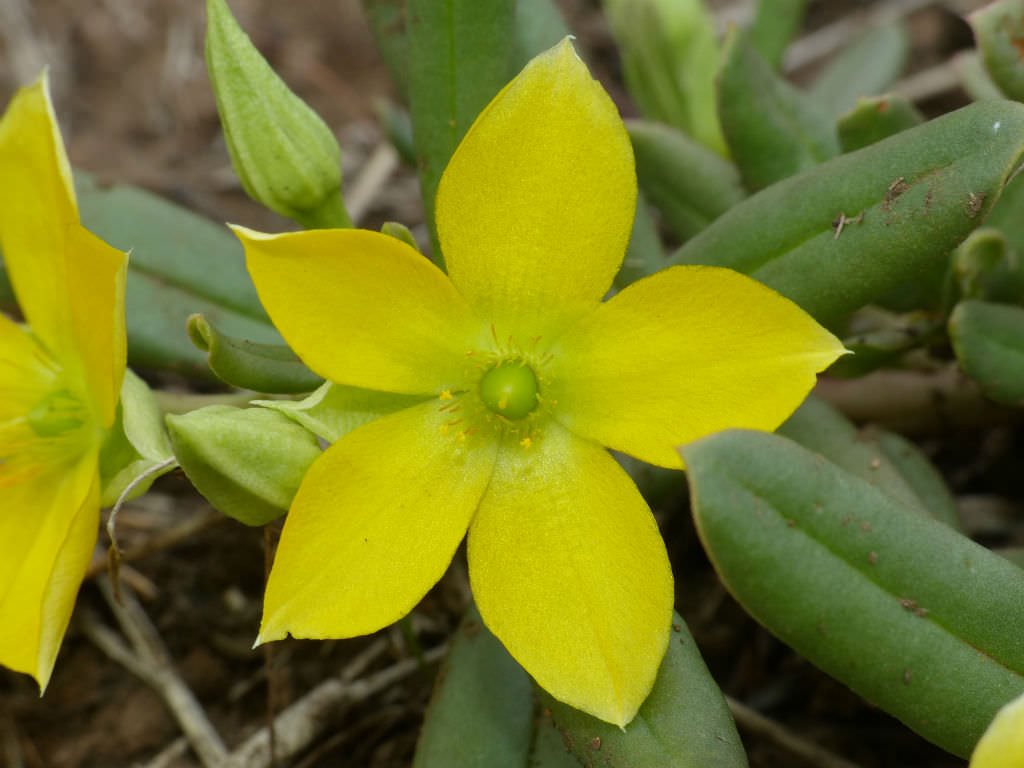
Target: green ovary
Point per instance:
(510, 389)
(57, 413)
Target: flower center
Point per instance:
(55, 414)
(510, 389)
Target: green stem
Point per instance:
(331, 214)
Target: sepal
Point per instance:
(136, 443)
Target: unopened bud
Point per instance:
(284, 154)
(247, 462)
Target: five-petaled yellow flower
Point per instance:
(525, 377)
(59, 383)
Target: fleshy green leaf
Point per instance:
(820, 428)
(248, 463)
(180, 264)
(684, 722)
(986, 266)
(775, 24)
(387, 22)
(975, 78)
(999, 30)
(989, 342)
(904, 204)
(460, 55)
(920, 474)
(876, 118)
(690, 185)
(865, 68)
(773, 130)
(878, 338)
(270, 368)
(910, 614)
(1008, 213)
(481, 711)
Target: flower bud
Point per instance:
(284, 154)
(247, 462)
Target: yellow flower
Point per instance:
(1002, 744)
(59, 384)
(525, 377)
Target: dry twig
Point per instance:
(149, 660)
(755, 723)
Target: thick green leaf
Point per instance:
(986, 266)
(820, 428)
(684, 723)
(460, 55)
(999, 30)
(549, 748)
(1014, 554)
(878, 337)
(975, 78)
(989, 342)
(920, 474)
(481, 712)
(773, 130)
(775, 24)
(269, 368)
(918, 619)
(876, 118)
(691, 185)
(539, 26)
(669, 59)
(180, 264)
(866, 68)
(889, 462)
(386, 19)
(905, 203)
(1008, 213)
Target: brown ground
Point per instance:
(135, 105)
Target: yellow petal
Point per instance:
(684, 353)
(535, 208)
(47, 535)
(26, 375)
(37, 205)
(364, 309)
(1002, 744)
(569, 571)
(374, 525)
(69, 283)
(97, 274)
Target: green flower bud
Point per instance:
(284, 154)
(248, 463)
